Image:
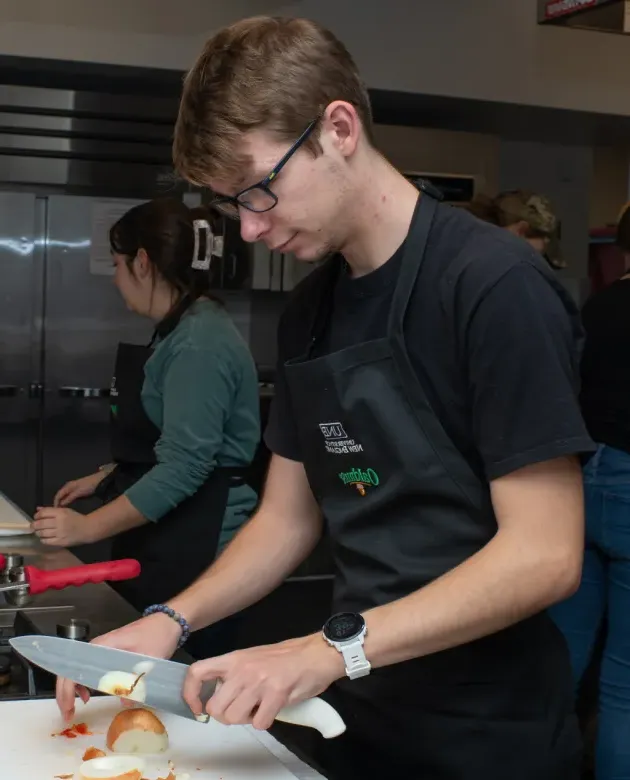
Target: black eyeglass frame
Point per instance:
(264, 184)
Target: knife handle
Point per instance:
(317, 714)
(40, 581)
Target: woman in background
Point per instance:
(526, 214)
(184, 419)
(604, 593)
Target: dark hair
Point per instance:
(623, 229)
(164, 229)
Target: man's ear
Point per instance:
(342, 123)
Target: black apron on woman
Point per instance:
(176, 549)
(402, 507)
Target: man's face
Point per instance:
(309, 219)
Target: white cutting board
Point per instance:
(12, 520)
(205, 751)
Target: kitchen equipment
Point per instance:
(21, 582)
(202, 751)
(163, 680)
(74, 629)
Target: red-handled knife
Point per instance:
(33, 581)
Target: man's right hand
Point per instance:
(156, 636)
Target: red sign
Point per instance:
(556, 8)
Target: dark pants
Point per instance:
(605, 593)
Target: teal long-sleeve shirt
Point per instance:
(201, 391)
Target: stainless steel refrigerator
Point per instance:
(60, 321)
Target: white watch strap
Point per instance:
(357, 665)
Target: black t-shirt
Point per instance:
(493, 336)
(606, 365)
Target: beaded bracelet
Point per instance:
(157, 608)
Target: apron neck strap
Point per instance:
(413, 256)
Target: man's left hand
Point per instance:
(61, 527)
(255, 684)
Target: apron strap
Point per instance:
(413, 255)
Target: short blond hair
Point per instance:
(275, 73)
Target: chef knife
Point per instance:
(161, 684)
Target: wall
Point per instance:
(611, 167)
(442, 151)
(151, 33)
(487, 49)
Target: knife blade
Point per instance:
(160, 686)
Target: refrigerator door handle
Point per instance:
(35, 390)
(84, 392)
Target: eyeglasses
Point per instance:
(259, 197)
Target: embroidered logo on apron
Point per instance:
(337, 440)
(360, 479)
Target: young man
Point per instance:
(425, 412)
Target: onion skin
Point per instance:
(93, 752)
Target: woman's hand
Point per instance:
(78, 488)
(59, 527)
(156, 636)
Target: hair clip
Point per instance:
(202, 263)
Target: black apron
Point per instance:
(175, 550)
(402, 507)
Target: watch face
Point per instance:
(344, 626)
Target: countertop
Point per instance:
(106, 610)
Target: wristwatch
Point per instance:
(346, 632)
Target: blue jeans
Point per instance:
(605, 592)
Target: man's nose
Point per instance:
(253, 225)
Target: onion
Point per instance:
(112, 768)
(93, 752)
(144, 667)
(125, 685)
(137, 731)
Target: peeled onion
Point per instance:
(125, 685)
(137, 731)
(144, 667)
(112, 768)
